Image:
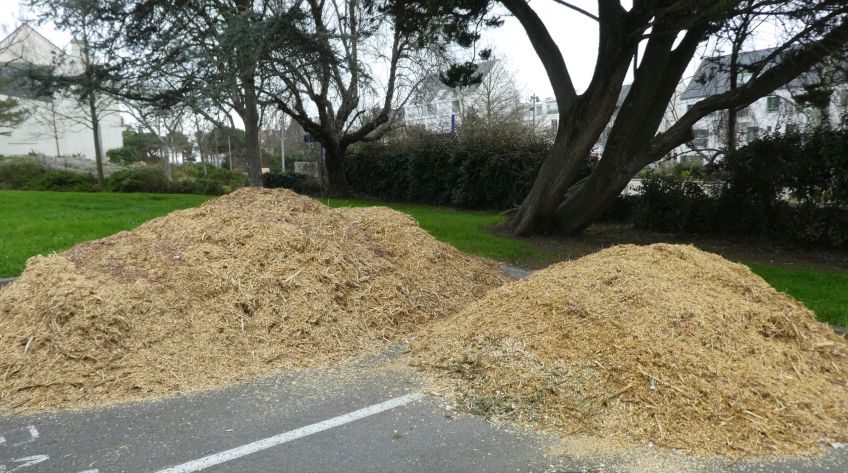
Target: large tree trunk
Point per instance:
(571, 148)
(252, 153)
(590, 198)
(334, 162)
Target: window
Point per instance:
(455, 106)
(431, 108)
(751, 133)
(701, 138)
(742, 112)
(772, 104)
(554, 123)
(552, 108)
(539, 110)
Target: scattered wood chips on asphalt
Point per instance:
(249, 283)
(663, 344)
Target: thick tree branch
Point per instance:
(548, 52)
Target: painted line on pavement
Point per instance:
(259, 445)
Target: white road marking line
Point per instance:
(25, 462)
(259, 445)
(13, 437)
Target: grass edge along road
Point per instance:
(36, 222)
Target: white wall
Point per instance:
(63, 119)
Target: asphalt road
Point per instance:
(153, 436)
(329, 420)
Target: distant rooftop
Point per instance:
(713, 74)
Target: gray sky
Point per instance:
(575, 34)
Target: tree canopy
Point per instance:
(662, 37)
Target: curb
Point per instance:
(4, 281)
(515, 273)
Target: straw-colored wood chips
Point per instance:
(664, 344)
(249, 283)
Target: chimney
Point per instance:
(76, 49)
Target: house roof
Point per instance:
(24, 32)
(713, 74)
(22, 55)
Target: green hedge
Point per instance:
(289, 180)
(27, 174)
(489, 171)
(792, 186)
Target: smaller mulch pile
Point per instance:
(665, 344)
(246, 284)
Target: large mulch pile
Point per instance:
(249, 283)
(665, 344)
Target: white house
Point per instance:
(440, 108)
(54, 126)
(781, 111)
(544, 112)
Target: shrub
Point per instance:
(54, 180)
(124, 155)
(28, 174)
(214, 180)
(296, 182)
(672, 203)
(186, 179)
(792, 186)
(478, 170)
(138, 179)
(17, 173)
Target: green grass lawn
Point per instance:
(824, 292)
(34, 223)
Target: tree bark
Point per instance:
(734, 78)
(589, 199)
(537, 213)
(336, 181)
(252, 156)
(95, 128)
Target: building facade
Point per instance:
(493, 100)
(56, 125)
(543, 113)
(784, 110)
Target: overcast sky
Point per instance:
(576, 35)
